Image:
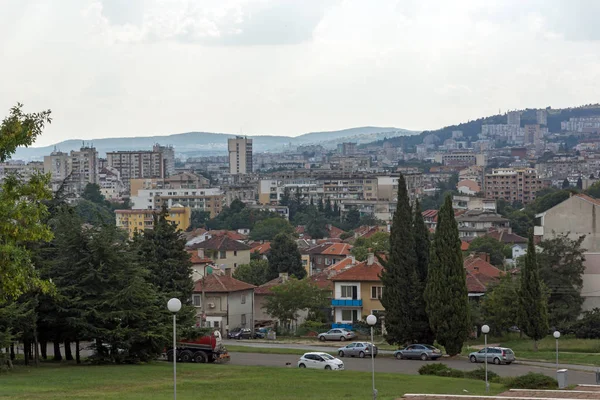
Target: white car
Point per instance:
(320, 361)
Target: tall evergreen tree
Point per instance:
(285, 257)
(162, 251)
(328, 209)
(320, 206)
(423, 332)
(399, 276)
(446, 292)
(533, 302)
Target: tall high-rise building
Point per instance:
(240, 155)
(513, 184)
(541, 117)
(513, 118)
(156, 163)
(76, 169)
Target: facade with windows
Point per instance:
(137, 220)
(357, 292)
(225, 252)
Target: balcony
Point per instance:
(346, 303)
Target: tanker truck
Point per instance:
(204, 349)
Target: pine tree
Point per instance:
(162, 251)
(285, 257)
(580, 183)
(423, 332)
(533, 302)
(446, 292)
(399, 276)
(328, 209)
(320, 206)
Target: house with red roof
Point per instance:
(480, 273)
(357, 291)
(325, 254)
(225, 252)
(200, 263)
(228, 303)
(261, 293)
(260, 248)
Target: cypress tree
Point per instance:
(446, 292)
(533, 303)
(423, 332)
(399, 276)
(285, 257)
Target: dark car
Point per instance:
(239, 333)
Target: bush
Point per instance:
(440, 370)
(479, 374)
(530, 381)
(588, 327)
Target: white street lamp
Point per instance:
(372, 320)
(556, 336)
(174, 305)
(485, 329)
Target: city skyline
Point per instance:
(144, 68)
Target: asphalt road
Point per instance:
(388, 364)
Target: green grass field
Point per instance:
(155, 381)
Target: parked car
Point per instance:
(337, 334)
(261, 333)
(239, 333)
(320, 361)
(497, 355)
(359, 349)
(418, 352)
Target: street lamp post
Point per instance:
(485, 329)
(556, 336)
(372, 320)
(174, 305)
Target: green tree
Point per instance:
(92, 193)
(353, 218)
(423, 332)
(579, 183)
(268, 228)
(378, 243)
(561, 268)
(594, 190)
(446, 292)
(94, 213)
(399, 276)
(566, 184)
(21, 208)
(285, 257)
(533, 303)
(500, 305)
(255, 273)
(486, 244)
(293, 296)
(285, 197)
(198, 219)
(328, 210)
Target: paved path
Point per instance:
(387, 364)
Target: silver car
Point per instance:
(497, 355)
(337, 334)
(418, 352)
(358, 349)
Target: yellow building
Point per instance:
(140, 220)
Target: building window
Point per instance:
(350, 315)
(243, 299)
(376, 292)
(222, 254)
(243, 319)
(197, 300)
(235, 253)
(216, 324)
(346, 291)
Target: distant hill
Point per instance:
(207, 143)
(471, 129)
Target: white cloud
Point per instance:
(141, 67)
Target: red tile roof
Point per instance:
(197, 260)
(322, 280)
(220, 243)
(231, 234)
(477, 265)
(265, 288)
(261, 248)
(506, 237)
(588, 198)
(338, 249)
(334, 232)
(221, 284)
(361, 272)
(430, 214)
(464, 246)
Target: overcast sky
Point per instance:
(110, 68)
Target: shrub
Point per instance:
(588, 327)
(441, 370)
(479, 374)
(530, 381)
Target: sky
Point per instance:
(122, 68)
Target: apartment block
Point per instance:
(240, 155)
(156, 163)
(76, 169)
(22, 169)
(461, 158)
(346, 149)
(513, 184)
(582, 124)
(210, 199)
(137, 220)
(181, 180)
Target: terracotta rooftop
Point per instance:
(222, 284)
(430, 214)
(506, 237)
(194, 233)
(265, 288)
(220, 243)
(588, 198)
(464, 246)
(338, 249)
(333, 231)
(471, 184)
(261, 248)
(322, 280)
(362, 272)
(197, 260)
(341, 265)
(475, 264)
(231, 234)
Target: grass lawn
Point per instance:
(155, 381)
(571, 350)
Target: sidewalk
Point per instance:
(575, 367)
